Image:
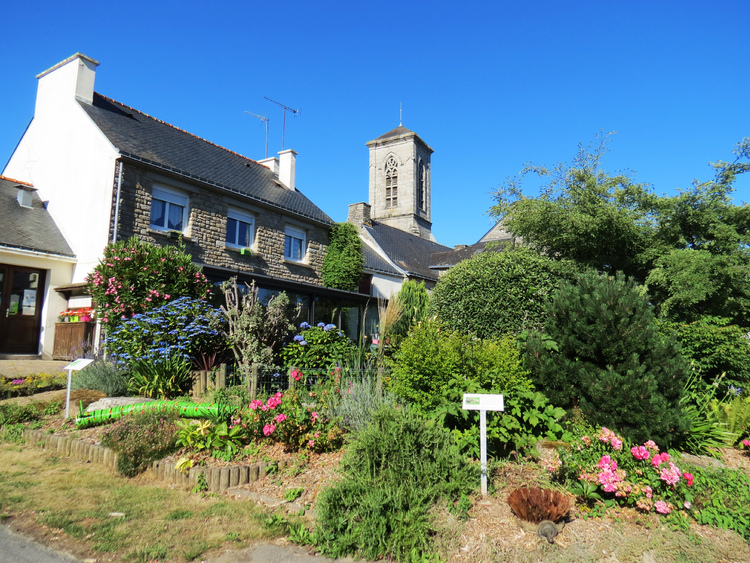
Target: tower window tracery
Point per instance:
(391, 183)
(421, 185)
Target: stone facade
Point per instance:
(205, 232)
(411, 212)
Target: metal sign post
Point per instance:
(76, 365)
(483, 403)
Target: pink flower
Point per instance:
(268, 429)
(659, 459)
(311, 444)
(689, 478)
(746, 443)
(606, 462)
(671, 474)
(616, 443)
(687, 505)
(640, 452)
(662, 507)
(280, 418)
(651, 446)
(586, 440)
(649, 491)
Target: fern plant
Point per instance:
(735, 415)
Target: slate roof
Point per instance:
(143, 138)
(445, 260)
(396, 133)
(408, 251)
(374, 262)
(31, 229)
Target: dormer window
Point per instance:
(168, 210)
(391, 183)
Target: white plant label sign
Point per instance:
(483, 402)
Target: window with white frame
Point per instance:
(294, 244)
(168, 210)
(240, 229)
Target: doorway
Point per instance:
(21, 299)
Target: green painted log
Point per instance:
(185, 410)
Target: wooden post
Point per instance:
(221, 377)
(253, 381)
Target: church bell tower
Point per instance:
(400, 182)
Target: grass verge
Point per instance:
(92, 512)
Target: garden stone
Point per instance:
(111, 402)
(702, 461)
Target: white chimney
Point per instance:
(271, 163)
(287, 166)
(67, 81)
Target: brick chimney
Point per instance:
(359, 214)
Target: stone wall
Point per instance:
(205, 232)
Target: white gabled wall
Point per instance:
(69, 160)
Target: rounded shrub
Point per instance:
(603, 352)
(495, 293)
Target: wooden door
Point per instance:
(21, 299)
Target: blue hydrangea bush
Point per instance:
(317, 348)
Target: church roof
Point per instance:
(143, 138)
(399, 132)
(28, 228)
(407, 251)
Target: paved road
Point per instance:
(15, 548)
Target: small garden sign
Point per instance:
(75, 365)
(483, 403)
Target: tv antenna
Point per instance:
(283, 125)
(265, 120)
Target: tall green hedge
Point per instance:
(495, 293)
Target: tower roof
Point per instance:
(398, 133)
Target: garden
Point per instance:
(626, 429)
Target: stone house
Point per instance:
(110, 172)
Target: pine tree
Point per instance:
(603, 352)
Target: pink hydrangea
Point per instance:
(671, 474)
(651, 445)
(746, 443)
(662, 507)
(688, 478)
(649, 491)
(586, 440)
(605, 434)
(606, 462)
(640, 452)
(268, 429)
(658, 459)
(280, 418)
(616, 443)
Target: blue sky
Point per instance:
(489, 86)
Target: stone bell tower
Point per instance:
(400, 182)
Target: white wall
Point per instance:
(384, 286)
(69, 161)
(59, 272)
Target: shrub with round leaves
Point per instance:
(317, 347)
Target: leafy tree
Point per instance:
(692, 249)
(583, 214)
(495, 293)
(343, 262)
(603, 353)
(135, 276)
(412, 300)
(715, 348)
